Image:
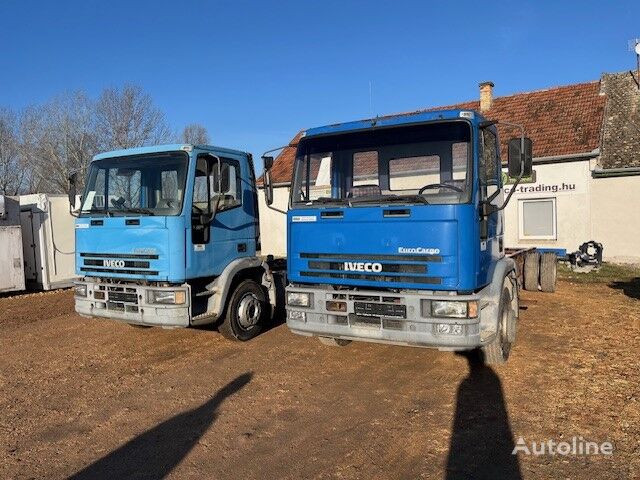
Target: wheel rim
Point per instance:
(249, 311)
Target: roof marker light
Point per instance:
(466, 114)
(186, 148)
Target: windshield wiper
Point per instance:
(145, 211)
(96, 210)
(325, 200)
(411, 198)
(389, 198)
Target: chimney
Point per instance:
(486, 95)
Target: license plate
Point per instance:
(380, 310)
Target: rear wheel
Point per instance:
(334, 342)
(531, 271)
(498, 350)
(246, 312)
(548, 272)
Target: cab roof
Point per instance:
(171, 147)
(394, 121)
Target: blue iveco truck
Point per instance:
(168, 236)
(395, 233)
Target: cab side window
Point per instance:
(228, 187)
(201, 186)
(489, 169)
(201, 204)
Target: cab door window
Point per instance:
(201, 206)
(489, 168)
(228, 187)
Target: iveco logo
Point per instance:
(362, 267)
(113, 263)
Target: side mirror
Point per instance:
(268, 187)
(268, 162)
(73, 178)
(520, 157)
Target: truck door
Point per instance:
(218, 190)
(490, 176)
(233, 226)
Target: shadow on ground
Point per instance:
(631, 287)
(481, 438)
(154, 453)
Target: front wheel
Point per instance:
(498, 350)
(246, 312)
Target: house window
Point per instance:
(365, 168)
(413, 173)
(537, 219)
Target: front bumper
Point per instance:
(129, 303)
(414, 330)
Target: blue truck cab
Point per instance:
(396, 234)
(168, 236)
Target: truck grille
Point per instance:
(119, 263)
(120, 299)
(331, 265)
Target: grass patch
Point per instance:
(625, 278)
(609, 272)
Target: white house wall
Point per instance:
(615, 217)
(273, 225)
(569, 184)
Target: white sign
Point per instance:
(304, 218)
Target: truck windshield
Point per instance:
(428, 163)
(150, 184)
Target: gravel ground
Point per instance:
(96, 399)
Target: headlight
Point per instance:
(81, 290)
(299, 299)
(171, 297)
(447, 308)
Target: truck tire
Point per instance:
(498, 350)
(548, 272)
(531, 271)
(334, 342)
(246, 312)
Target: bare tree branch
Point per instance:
(195, 134)
(12, 170)
(127, 117)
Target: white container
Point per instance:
(48, 236)
(11, 257)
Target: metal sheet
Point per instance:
(11, 262)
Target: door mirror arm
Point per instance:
(520, 163)
(73, 178)
(267, 184)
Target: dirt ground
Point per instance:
(96, 399)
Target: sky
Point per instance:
(255, 72)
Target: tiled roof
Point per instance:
(563, 120)
(621, 132)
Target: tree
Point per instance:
(58, 138)
(12, 170)
(195, 134)
(127, 117)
